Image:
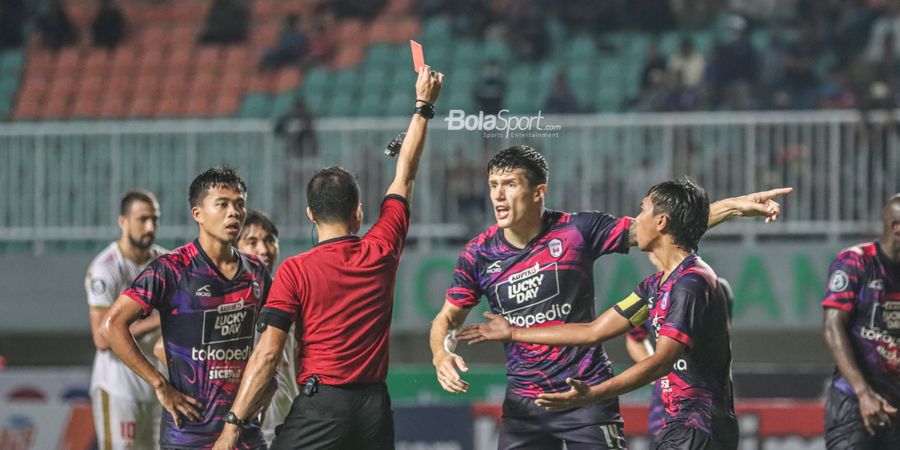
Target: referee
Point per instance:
(340, 295)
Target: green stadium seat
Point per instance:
(345, 81)
(579, 49)
(255, 105)
(380, 55)
(372, 103)
(281, 105)
(11, 61)
(436, 29)
(316, 80)
(468, 53)
(521, 100)
(497, 49)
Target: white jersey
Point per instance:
(286, 377)
(108, 275)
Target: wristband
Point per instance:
(425, 111)
(425, 102)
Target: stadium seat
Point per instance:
(203, 85)
(85, 107)
(579, 49)
(189, 12)
(262, 82)
(406, 29)
(351, 31)
(347, 56)
(91, 86)
(42, 62)
(232, 82)
(181, 36)
(169, 107)
(28, 108)
(209, 59)
(255, 105)
(153, 37)
(12, 62)
(121, 84)
(398, 7)
(287, 79)
(124, 59)
(372, 103)
(142, 106)
(56, 107)
(380, 30)
(96, 63)
(436, 29)
(180, 61)
(174, 86)
(198, 107)
(497, 49)
(380, 54)
(112, 107)
(468, 53)
(281, 104)
(226, 104)
(152, 61)
(238, 58)
(69, 61)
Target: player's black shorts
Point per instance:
(844, 429)
(528, 426)
(681, 436)
(338, 418)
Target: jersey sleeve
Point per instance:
(687, 304)
(639, 334)
(391, 227)
(152, 288)
(283, 300)
(843, 281)
(100, 286)
(604, 233)
(465, 291)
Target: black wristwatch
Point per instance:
(232, 418)
(426, 111)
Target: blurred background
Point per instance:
(97, 97)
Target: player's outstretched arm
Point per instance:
(757, 204)
(636, 376)
(428, 87)
(609, 325)
(447, 364)
(876, 411)
(115, 331)
(256, 384)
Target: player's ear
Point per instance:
(309, 215)
(662, 221)
(122, 220)
(195, 213)
(540, 191)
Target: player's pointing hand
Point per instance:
(761, 203)
(178, 404)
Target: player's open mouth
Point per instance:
(233, 227)
(501, 212)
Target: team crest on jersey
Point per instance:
(556, 248)
(664, 303)
(256, 290)
(839, 281)
(98, 286)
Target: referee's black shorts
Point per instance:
(339, 417)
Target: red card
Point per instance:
(417, 55)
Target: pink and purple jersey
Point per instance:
(548, 282)
(864, 282)
(208, 328)
(691, 308)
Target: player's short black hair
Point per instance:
(332, 195)
(687, 206)
(260, 219)
(215, 177)
(136, 195)
(522, 157)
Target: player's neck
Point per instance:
(891, 248)
(327, 231)
(219, 251)
(521, 235)
(669, 256)
(133, 253)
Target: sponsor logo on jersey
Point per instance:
(220, 354)
(228, 325)
(494, 267)
(890, 316)
(226, 373)
(205, 291)
(877, 284)
(839, 281)
(230, 307)
(556, 312)
(528, 288)
(556, 248)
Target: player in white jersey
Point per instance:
(125, 409)
(260, 237)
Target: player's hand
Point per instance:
(228, 439)
(498, 329)
(875, 410)
(428, 85)
(761, 203)
(448, 367)
(178, 404)
(579, 395)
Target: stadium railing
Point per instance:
(62, 181)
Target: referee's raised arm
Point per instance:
(428, 87)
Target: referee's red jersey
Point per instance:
(340, 294)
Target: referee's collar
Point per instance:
(349, 237)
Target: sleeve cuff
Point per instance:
(276, 318)
(843, 306)
(145, 308)
(399, 198)
(677, 335)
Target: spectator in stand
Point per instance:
(322, 30)
(653, 61)
(736, 69)
(561, 99)
(290, 48)
(12, 22)
(850, 30)
(836, 91)
(299, 132)
(226, 22)
(800, 79)
(687, 64)
(491, 89)
(108, 28)
(887, 24)
(57, 31)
